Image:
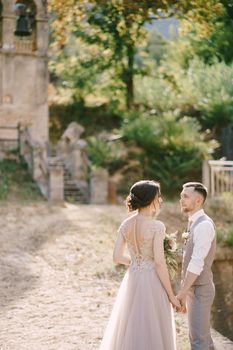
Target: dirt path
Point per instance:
(57, 280)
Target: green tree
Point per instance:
(170, 144)
(209, 30)
(117, 27)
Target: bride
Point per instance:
(142, 316)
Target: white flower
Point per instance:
(185, 235)
(173, 246)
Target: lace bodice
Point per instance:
(139, 232)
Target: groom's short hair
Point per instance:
(198, 187)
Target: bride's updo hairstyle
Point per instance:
(142, 194)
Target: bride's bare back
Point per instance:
(139, 232)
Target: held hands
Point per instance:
(182, 299)
(175, 303)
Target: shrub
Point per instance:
(173, 147)
(94, 119)
(201, 91)
(99, 151)
(225, 236)
(105, 153)
(229, 237)
(16, 182)
(223, 206)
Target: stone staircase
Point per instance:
(75, 192)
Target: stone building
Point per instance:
(23, 66)
(60, 172)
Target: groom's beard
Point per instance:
(187, 210)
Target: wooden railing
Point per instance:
(218, 176)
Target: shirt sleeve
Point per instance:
(203, 236)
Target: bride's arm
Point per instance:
(161, 266)
(119, 255)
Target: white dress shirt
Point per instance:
(203, 236)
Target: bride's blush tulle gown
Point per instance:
(142, 316)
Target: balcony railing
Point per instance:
(218, 176)
(24, 45)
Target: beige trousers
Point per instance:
(199, 302)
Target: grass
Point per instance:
(16, 182)
(229, 237)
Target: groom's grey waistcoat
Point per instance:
(206, 275)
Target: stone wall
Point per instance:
(24, 75)
(99, 186)
(222, 311)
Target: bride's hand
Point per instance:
(182, 299)
(175, 303)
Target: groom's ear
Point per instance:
(199, 199)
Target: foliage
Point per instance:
(173, 147)
(75, 69)
(106, 153)
(99, 152)
(113, 30)
(229, 237)
(209, 30)
(16, 182)
(222, 206)
(200, 91)
(4, 189)
(93, 118)
(171, 253)
(98, 43)
(225, 236)
(181, 91)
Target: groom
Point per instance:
(197, 288)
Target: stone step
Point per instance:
(70, 182)
(72, 192)
(75, 185)
(67, 177)
(75, 193)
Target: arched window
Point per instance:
(25, 25)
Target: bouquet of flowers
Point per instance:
(171, 253)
